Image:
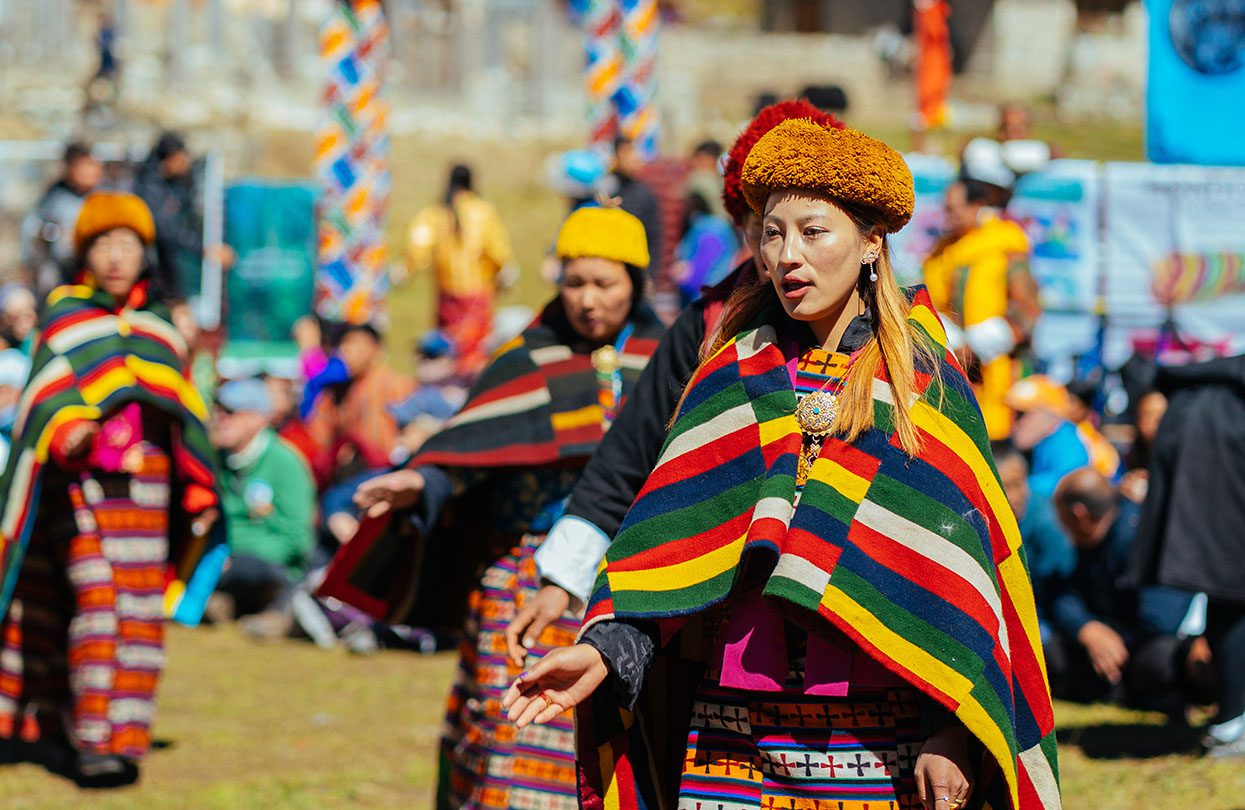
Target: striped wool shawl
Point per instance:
(917, 559)
(538, 401)
(89, 361)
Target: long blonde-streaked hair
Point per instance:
(896, 342)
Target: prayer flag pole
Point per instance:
(352, 164)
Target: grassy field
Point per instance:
(247, 726)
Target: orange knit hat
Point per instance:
(103, 211)
(841, 163)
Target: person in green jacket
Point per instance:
(269, 502)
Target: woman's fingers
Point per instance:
(515, 631)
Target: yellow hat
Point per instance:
(604, 233)
(841, 163)
(104, 210)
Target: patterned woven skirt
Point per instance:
(791, 751)
(485, 763)
(83, 641)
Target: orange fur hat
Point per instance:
(841, 163)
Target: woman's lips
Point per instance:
(795, 287)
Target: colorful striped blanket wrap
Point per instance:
(537, 406)
(91, 359)
(539, 400)
(916, 559)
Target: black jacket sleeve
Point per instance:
(629, 451)
(628, 650)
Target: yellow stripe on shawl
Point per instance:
(680, 575)
(774, 430)
(168, 377)
(101, 387)
(1016, 580)
(927, 320)
(69, 291)
(62, 416)
(611, 799)
(936, 423)
(569, 420)
(932, 671)
(841, 480)
(1011, 570)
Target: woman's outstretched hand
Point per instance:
(561, 680)
(396, 490)
(542, 610)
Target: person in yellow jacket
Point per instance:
(462, 239)
(978, 278)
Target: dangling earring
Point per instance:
(871, 259)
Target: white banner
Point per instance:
(1058, 208)
(1175, 241)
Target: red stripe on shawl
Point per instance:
(1025, 660)
(759, 363)
(729, 355)
(937, 579)
(767, 530)
(644, 346)
(193, 467)
(528, 454)
(903, 672)
(111, 363)
(948, 462)
(574, 364)
(852, 458)
(28, 503)
(701, 458)
(585, 434)
(69, 321)
(681, 551)
(532, 381)
(808, 546)
(1028, 791)
(53, 388)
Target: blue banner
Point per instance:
(1195, 98)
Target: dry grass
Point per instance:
(273, 726)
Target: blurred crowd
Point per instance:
(1134, 563)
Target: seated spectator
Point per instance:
(14, 369)
(350, 420)
(18, 317)
(1047, 549)
(706, 253)
(1147, 412)
(1055, 443)
(704, 177)
(268, 502)
(1082, 412)
(1100, 650)
(289, 426)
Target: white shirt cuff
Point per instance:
(990, 339)
(571, 554)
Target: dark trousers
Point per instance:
(1153, 677)
(255, 584)
(1225, 632)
